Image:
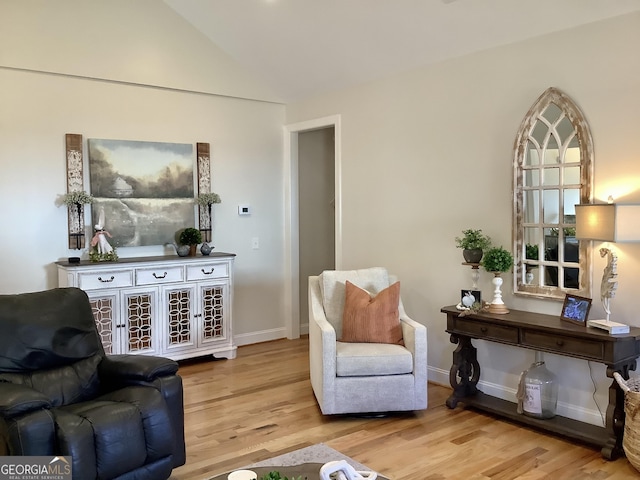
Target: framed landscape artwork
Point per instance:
(146, 189)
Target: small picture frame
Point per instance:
(477, 295)
(575, 309)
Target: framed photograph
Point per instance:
(469, 297)
(575, 309)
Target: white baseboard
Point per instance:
(592, 416)
(259, 337)
(266, 335)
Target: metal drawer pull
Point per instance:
(207, 273)
(106, 281)
(159, 276)
(560, 343)
(484, 329)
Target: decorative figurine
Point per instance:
(101, 250)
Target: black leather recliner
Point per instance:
(117, 416)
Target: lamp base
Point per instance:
(611, 327)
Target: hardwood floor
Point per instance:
(260, 405)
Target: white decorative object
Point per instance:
(242, 475)
(169, 306)
(528, 277)
(475, 276)
(99, 240)
(608, 288)
(497, 305)
(341, 470)
(468, 300)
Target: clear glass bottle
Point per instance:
(540, 390)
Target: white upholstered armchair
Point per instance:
(362, 377)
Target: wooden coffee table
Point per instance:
(309, 470)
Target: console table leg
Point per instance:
(465, 371)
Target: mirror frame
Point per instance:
(585, 142)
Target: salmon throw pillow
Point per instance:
(368, 319)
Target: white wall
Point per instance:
(144, 42)
(118, 43)
(428, 153)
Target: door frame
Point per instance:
(291, 210)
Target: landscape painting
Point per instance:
(145, 188)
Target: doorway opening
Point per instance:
(293, 211)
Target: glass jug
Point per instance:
(538, 391)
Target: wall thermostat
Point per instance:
(244, 210)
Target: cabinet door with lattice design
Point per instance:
(212, 313)
(105, 307)
(140, 333)
(178, 303)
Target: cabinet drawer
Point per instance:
(207, 271)
(153, 276)
(476, 329)
(105, 279)
(563, 345)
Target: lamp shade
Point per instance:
(608, 222)
(596, 222)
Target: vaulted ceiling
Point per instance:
(302, 48)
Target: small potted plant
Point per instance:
(497, 260)
(473, 244)
(192, 237)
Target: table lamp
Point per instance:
(608, 223)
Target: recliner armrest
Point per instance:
(19, 399)
(135, 369)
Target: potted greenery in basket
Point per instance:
(192, 237)
(473, 244)
(497, 260)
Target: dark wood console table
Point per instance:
(545, 333)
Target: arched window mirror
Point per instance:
(552, 173)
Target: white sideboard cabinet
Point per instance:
(176, 307)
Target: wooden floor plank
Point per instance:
(260, 405)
